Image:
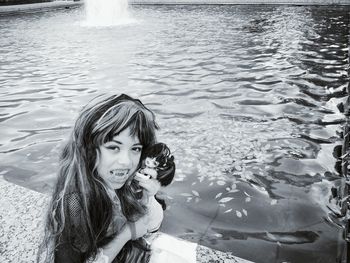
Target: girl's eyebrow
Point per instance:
(135, 144)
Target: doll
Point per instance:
(158, 163)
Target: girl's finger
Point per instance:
(150, 172)
(151, 186)
(141, 178)
(145, 185)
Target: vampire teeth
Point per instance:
(119, 172)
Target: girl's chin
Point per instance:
(117, 184)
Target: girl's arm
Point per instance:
(155, 211)
(130, 231)
(110, 251)
(65, 251)
(66, 254)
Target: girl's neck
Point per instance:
(110, 191)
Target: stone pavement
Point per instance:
(22, 214)
(38, 6)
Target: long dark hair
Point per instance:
(78, 179)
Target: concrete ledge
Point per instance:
(38, 6)
(21, 2)
(22, 223)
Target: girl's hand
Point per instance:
(152, 173)
(150, 185)
(139, 228)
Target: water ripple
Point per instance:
(246, 96)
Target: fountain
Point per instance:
(107, 12)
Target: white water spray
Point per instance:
(107, 12)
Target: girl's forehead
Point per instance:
(126, 137)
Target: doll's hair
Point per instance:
(166, 167)
(79, 187)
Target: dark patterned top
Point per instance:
(74, 250)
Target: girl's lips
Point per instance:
(119, 172)
(118, 177)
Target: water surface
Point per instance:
(246, 97)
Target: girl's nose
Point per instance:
(124, 158)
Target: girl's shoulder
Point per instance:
(72, 197)
(74, 203)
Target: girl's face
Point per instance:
(119, 158)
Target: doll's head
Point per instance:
(159, 157)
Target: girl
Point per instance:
(94, 215)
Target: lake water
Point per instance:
(246, 97)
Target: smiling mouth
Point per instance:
(119, 172)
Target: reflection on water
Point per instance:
(246, 97)
(298, 237)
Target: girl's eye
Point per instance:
(112, 147)
(137, 149)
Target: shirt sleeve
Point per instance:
(65, 253)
